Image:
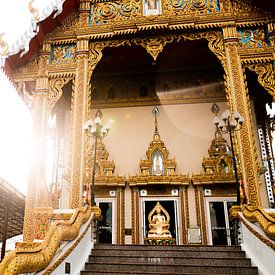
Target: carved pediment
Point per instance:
(219, 166)
(104, 171)
(157, 168)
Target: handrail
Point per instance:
(260, 235)
(55, 263)
(259, 215)
(31, 257)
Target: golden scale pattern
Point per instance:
(31, 257)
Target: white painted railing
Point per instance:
(258, 247)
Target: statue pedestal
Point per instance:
(160, 241)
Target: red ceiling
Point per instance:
(46, 26)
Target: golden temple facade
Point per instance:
(186, 61)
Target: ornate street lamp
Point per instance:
(97, 131)
(229, 123)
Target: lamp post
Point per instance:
(229, 123)
(97, 131)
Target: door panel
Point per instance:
(222, 231)
(105, 226)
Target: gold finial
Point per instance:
(34, 12)
(4, 46)
(155, 111)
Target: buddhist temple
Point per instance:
(154, 134)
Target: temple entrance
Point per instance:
(170, 205)
(106, 226)
(220, 229)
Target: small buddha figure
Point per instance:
(159, 224)
(157, 164)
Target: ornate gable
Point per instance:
(218, 167)
(104, 173)
(157, 168)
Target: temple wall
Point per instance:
(186, 130)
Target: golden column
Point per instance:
(80, 105)
(37, 197)
(239, 101)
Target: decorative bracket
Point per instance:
(265, 74)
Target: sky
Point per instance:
(15, 117)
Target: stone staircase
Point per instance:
(170, 260)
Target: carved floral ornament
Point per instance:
(110, 12)
(155, 45)
(56, 85)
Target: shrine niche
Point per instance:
(157, 168)
(160, 192)
(159, 223)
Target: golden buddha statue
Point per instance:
(159, 223)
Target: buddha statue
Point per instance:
(159, 223)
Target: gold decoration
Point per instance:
(183, 20)
(43, 216)
(103, 13)
(32, 257)
(135, 215)
(79, 103)
(263, 239)
(218, 167)
(190, 7)
(34, 12)
(234, 212)
(157, 168)
(265, 74)
(155, 45)
(54, 265)
(104, 168)
(55, 92)
(159, 223)
(3, 46)
(63, 54)
(239, 101)
(259, 215)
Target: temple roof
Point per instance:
(31, 42)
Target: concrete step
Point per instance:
(174, 248)
(169, 269)
(143, 273)
(168, 260)
(168, 253)
(164, 260)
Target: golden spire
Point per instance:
(155, 111)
